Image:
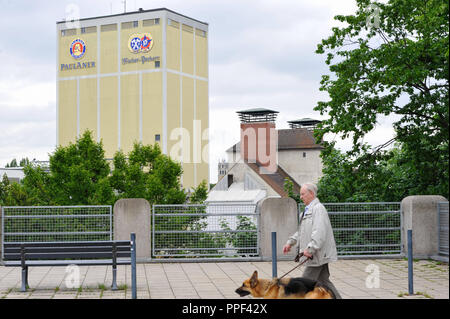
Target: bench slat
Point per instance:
(66, 250)
(93, 262)
(80, 255)
(68, 244)
(16, 250)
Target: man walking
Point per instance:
(315, 238)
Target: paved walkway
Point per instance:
(355, 279)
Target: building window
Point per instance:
(68, 32)
(130, 24)
(108, 27)
(200, 33)
(88, 30)
(304, 154)
(173, 23)
(157, 64)
(187, 28)
(150, 22)
(157, 138)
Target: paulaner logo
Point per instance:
(77, 49)
(140, 43)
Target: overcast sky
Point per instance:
(261, 54)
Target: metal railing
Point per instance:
(56, 223)
(205, 231)
(366, 229)
(442, 210)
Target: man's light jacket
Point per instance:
(316, 235)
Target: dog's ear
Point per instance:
(254, 279)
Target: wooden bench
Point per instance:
(31, 254)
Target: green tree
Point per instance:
(79, 173)
(23, 162)
(245, 237)
(392, 59)
(200, 193)
(15, 194)
(3, 189)
(149, 174)
(13, 163)
(386, 176)
(289, 188)
(3, 185)
(37, 185)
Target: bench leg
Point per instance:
(24, 279)
(114, 281)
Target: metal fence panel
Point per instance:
(56, 223)
(365, 229)
(442, 208)
(204, 231)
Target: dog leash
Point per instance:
(297, 258)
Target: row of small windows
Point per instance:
(110, 27)
(186, 27)
(131, 25)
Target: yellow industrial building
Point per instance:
(137, 77)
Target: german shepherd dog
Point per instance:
(285, 288)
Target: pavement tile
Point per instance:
(218, 280)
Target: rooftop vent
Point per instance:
(304, 123)
(257, 115)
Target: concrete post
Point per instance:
(420, 215)
(132, 215)
(277, 215)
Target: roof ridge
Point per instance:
(268, 178)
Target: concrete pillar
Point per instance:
(420, 215)
(132, 215)
(277, 215)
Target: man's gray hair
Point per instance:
(311, 187)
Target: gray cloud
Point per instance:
(261, 54)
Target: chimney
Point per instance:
(259, 138)
(307, 123)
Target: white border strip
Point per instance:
(140, 109)
(78, 108)
(164, 81)
(119, 88)
(98, 85)
(57, 85)
(69, 78)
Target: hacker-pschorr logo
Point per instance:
(140, 43)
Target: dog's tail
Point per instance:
(324, 291)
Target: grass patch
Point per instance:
(424, 294)
(418, 293)
(101, 286)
